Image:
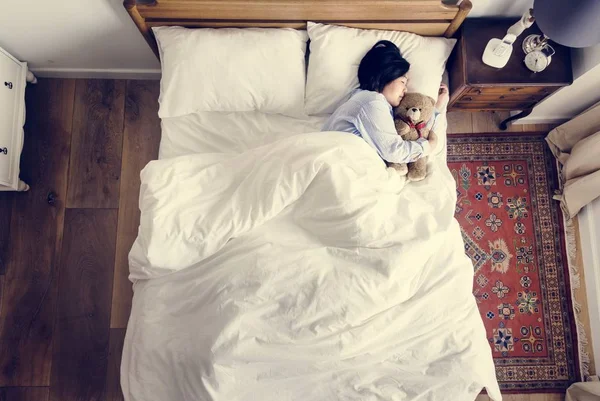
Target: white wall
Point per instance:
(96, 38)
(75, 38)
(583, 60)
(567, 102)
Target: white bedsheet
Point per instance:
(278, 267)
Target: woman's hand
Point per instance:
(443, 96)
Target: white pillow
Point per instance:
(231, 69)
(336, 52)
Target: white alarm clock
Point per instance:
(537, 60)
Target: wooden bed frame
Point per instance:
(424, 17)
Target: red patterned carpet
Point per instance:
(513, 233)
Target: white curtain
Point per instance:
(576, 145)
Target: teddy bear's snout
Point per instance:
(414, 114)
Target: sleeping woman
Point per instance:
(368, 113)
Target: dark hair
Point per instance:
(381, 65)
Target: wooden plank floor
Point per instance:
(463, 122)
(30, 281)
(64, 294)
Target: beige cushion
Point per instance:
(576, 145)
(588, 391)
(584, 158)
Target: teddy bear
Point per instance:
(411, 117)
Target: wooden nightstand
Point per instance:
(475, 86)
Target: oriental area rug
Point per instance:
(513, 232)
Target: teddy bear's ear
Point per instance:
(432, 100)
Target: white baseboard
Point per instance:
(589, 231)
(543, 120)
(113, 73)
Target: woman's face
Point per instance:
(394, 91)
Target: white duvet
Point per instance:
(301, 270)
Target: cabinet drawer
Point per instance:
(10, 81)
(492, 105)
(501, 97)
(5, 163)
(512, 90)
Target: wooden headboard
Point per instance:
(424, 17)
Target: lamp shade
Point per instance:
(573, 23)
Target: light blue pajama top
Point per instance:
(369, 115)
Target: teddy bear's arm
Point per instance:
(401, 127)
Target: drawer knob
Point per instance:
(51, 198)
(4, 150)
(9, 85)
(468, 98)
(478, 91)
(502, 97)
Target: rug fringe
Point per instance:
(584, 357)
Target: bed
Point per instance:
(277, 262)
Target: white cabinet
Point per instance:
(13, 78)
